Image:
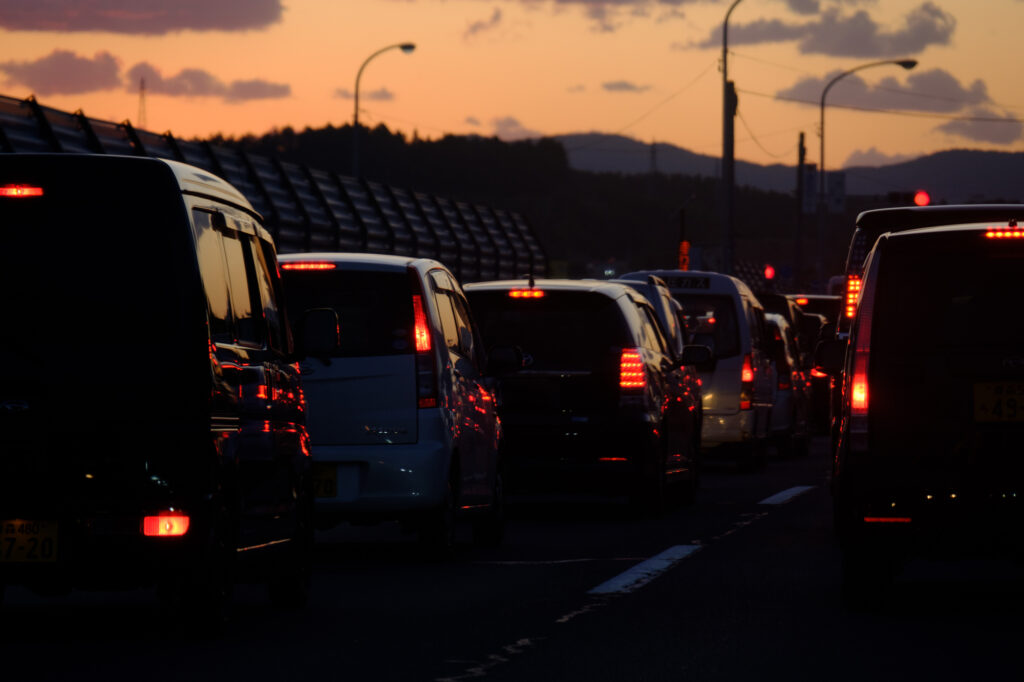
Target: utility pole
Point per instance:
(141, 121)
(729, 104)
(798, 246)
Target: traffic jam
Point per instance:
(192, 419)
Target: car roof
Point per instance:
(581, 285)
(361, 261)
(716, 279)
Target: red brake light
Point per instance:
(887, 519)
(1004, 233)
(421, 331)
(18, 191)
(166, 524)
(526, 293)
(853, 285)
(801, 301)
(308, 265)
(746, 383)
(747, 375)
(631, 369)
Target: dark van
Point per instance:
(151, 417)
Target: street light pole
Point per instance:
(728, 150)
(404, 47)
(906, 64)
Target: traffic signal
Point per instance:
(769, 271)
(921, 198)
(917, 198)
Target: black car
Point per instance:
(600, 402)
(928, 460)
(151, 417)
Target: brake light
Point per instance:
(887, 519)
(308, 265)
(165, 525)
(631, 369)
(1002, 233)
(860, 395)
(859, 386)
(818, 374)
(19, 191)
(526, 293)
(801, 301)
(747, 383)
(421, 332)
(853, 285)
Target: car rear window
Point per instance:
(374, 308)
(564, 330)
(711, 321)
(949, 293)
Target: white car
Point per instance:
(401, 417)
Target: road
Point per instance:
(749, 590)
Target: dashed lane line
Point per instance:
(786, 495)
(645, 571)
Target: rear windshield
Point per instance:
(711, 321)
(948, 293)
(374, 308)
(574, 331)
(87, 275)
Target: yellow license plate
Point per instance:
(24, 541)
(325, 480)
(999, 401)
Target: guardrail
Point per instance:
(305, 209)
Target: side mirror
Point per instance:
(502, 360)
(695, 355)
(830, 356)
(319, 333)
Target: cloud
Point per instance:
(200, 83)
(473, 121)
(380, 95)
(874, 157)
(624, 86)
(509, 129)
(856, 35)
(144, 17)
(65, 73)
(934, 90)
(1005, 131)
(485, 25)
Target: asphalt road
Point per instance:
(743, 585)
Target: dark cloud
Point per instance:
(380, 95)
(485, 25)
(473, 121)
(934, 90)
(874, 157)
(624, 86)
(509, 128)
(147, 17)
(855, 35)
(200, 83)
(1005, 131)
(65, 73)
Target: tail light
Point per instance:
(853, 285)
(526, 293)
(426, 363)
(308, 265)
(747, 382)
(631, 369)
(859, 395)
(20, 191)
(165, 525)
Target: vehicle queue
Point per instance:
(307, 390)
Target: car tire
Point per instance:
(489, 531)
(651, 492)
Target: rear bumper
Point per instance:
(726, 428)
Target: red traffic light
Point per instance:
(921, 198)
(769, 272)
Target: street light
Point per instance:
(728, 151)
(404, 47)
(906, 64)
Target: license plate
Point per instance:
(999, 401)
(23, 541)
(325, 480)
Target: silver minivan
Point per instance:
(401, 418)
(721, 312)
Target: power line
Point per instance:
(756, 141)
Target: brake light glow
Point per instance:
(165, 524)
(526, 293)
(19, 191)
(631, 369)
(1001, 233)
(859, 389)
(747, 374)
(853, 285)
(801, 301)
(747, 383)
(887, 519)
(421, 332)
(308, 265)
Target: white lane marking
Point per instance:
(553, 562)
(786, 495)
(645, 571)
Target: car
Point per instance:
(932, 411)
(152, 423)
(597, 405)
(721, 312)
(402, 414)
(789, 424)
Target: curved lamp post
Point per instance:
(404, 47)
(905, 63)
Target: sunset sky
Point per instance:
(648, 69)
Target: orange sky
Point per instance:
(537, 67)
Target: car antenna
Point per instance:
(532, 283)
